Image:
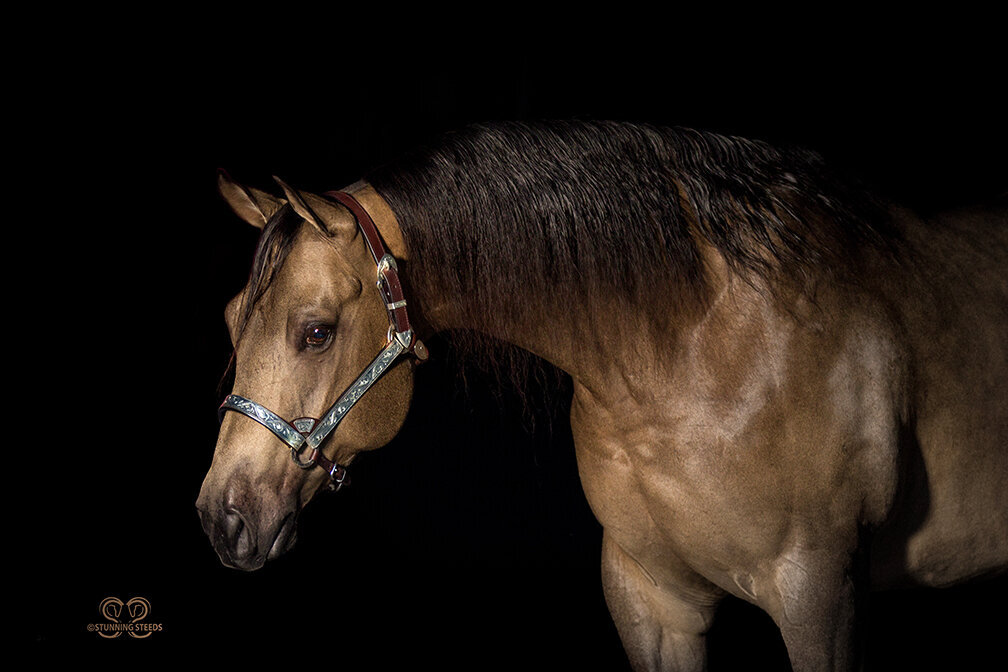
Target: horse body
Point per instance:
(791, 448)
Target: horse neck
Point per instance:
(555, 334)
(600, 341)
(597, 336)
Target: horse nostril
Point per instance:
(237, 533)
(233, 523)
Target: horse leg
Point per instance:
(662, 624)
(816, 612)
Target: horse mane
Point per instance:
(495, 213)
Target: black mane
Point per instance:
(494, 213)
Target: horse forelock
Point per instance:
(275, 242)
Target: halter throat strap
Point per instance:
(308, 433)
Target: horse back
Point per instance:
(950, 519)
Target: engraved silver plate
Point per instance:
(291, 435)
(304, 425)
(371, 374)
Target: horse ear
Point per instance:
(252, 205)
(330, 218)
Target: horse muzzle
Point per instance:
(245, 530)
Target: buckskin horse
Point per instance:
(785, 389)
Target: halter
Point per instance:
(308, 432)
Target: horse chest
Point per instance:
(654, 490)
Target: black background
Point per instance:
(466, 543)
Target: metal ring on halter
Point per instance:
(295, 455)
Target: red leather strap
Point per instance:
(392, 292)
(337, 472)
(364, 221)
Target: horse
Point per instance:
(785, 388)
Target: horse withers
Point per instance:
(785, 389)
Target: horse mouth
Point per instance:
(256, 563)
(240, 546)
(286, 537)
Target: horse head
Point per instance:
(304, 328)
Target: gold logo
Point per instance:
(125, 618)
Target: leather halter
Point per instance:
(308, 432)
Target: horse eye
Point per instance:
(317, 335)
